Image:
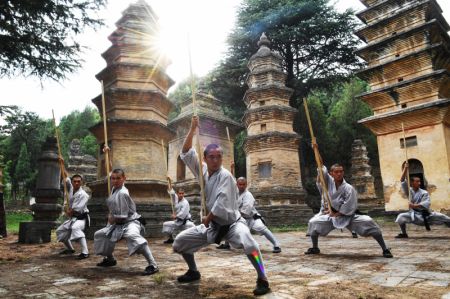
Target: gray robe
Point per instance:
(422, 198)
(247, 209)
(344, 200)
(222, 200)
(72, 229)
(182, 210)
(122, 207)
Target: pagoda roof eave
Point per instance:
(363, 72)
(400, 12)
(360, 13)
(132, 64)
(390, 114)
(406, 82)
(400, 35)
(135, 90)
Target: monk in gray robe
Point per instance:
(223, 220)
(78, 213)
(255, 221)
(123, 223)
(181, 217)
(420, 212)
(341, 214)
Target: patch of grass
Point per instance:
(289, 228)
(159, 278)
(14, 218)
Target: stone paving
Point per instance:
(346, 268)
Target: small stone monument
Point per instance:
(85, 165)
(46, 210)
(361, 177)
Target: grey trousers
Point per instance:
(131, 232)
(363, 225)
(197, 237)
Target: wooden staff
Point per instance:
(105, 132)
(169, 184)
(406, 162)
(230, 145)
(318, 159)
(61, 166)
(198, 146)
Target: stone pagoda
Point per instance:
(47, 207)
(361, 178)
(136, 85)
(213, 124)
(271, 146)
(408, 57)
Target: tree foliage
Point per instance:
(314, 40)
(21, 139)
(76, 125)
(38, 37)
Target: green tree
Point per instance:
(23, 174)
(343, 127)
(39, 37)
(314, 40)
(22, 130)
(76, 125)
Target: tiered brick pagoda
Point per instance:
(408, 56)
(136, 86)
(213, 124)
(271, 147)
(361, 177)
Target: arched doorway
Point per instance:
(416, 170)
(181, 169)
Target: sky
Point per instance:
(207, 21)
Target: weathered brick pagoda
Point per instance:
(271, 146)
(136, 86)
(408, 56)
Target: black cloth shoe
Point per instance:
(150, 270)
(401, 236)
(82, 256)
(262, 287)
(189, 276)
(312, 251)
(223, 246)
(168, 241)
(387, 253)
(67, 251)
(107, 262)
(354, 235)
(276, 249)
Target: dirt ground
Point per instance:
(346, 268)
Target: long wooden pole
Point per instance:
(169, 185)
(230, 145)
(198, 146)
(61, 166)
(406, 162)
(105, 133)
(317, 157)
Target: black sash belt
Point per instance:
(258, 216)
(183, 220)
(425, 215)
(223, 231)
